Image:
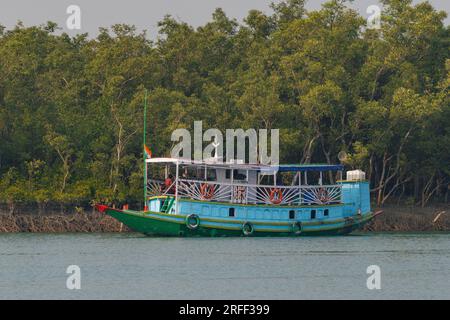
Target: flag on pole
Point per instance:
(147, 151)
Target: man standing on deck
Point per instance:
(168, 183)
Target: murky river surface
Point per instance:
(132, 266)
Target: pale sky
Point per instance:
(145, 14)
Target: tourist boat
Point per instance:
(212, 198)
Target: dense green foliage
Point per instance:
(71, 108)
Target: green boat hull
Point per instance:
(161, 224)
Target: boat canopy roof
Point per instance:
(263, 168)
(309, 167)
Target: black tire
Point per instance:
(192, 221)
(297, 228)
(247, 229)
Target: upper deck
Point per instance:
(283, 185)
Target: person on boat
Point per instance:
(168, 184)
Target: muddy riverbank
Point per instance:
(58, 223)
(411, 219)
(394, 218)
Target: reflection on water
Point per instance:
(131, 266)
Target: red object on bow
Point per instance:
(101, 207)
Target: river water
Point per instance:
(132, 266)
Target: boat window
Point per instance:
(296, 180)
(239, 175)
(189, 173)
(231, 212)
(211, 175)
(313, 178)
(157, 172)
(328, 177)
(200, 173)
(266, 180)
(286, 179)
(325, 213)
(313, 214)
(292, 214)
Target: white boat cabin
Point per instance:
(244, 183)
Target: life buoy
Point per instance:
(348, 221)
(297, 227)
(247, 229)
(276, 195)
(322, 195)
(207, 191)
(192, 221)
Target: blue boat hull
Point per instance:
(163, 224)
(187, 217)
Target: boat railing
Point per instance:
(157, 188)
(257, 194)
